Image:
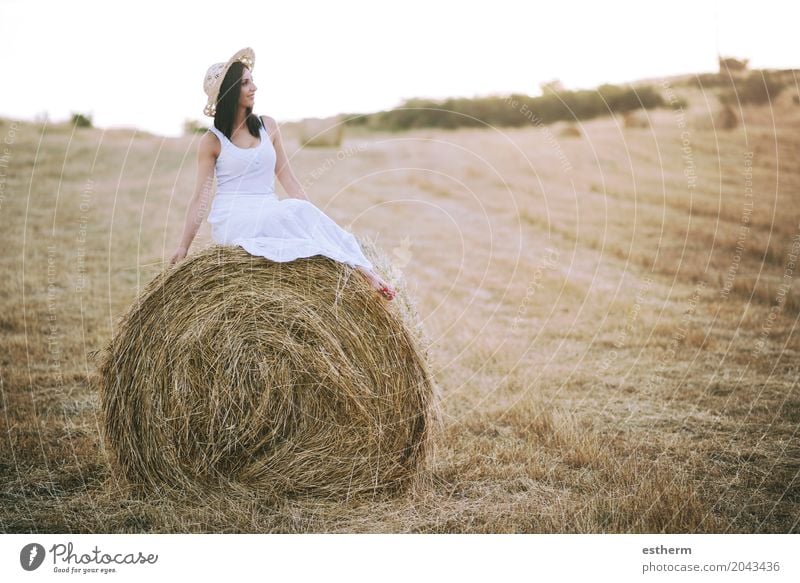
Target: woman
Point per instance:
(243, 151)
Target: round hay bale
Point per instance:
(728, 119)
(636, 119)
(570, 130)
(231, 372)
(323, 132)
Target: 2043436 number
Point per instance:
(755, 566)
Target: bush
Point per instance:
(191, 126)
(81, 121)
(515, 110)
(758, 88)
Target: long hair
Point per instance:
(228, 102)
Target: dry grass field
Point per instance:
(614, 316)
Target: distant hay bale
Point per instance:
(325, 132)
(636, 119)
(728, 119)
(233, 373)
(786, 99)
(570, 131)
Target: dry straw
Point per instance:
(233, 373)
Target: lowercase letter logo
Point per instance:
(31, 556)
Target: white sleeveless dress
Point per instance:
(247, 212)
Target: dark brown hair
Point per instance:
(228, 102)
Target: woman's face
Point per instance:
(247, 96)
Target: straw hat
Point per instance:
(216, 73)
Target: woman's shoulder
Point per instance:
(270, 124)
(211, 143)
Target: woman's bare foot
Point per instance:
(379, 284)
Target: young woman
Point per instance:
(243, 151)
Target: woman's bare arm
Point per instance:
(283, 169)
(207, 153)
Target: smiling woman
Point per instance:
(245, 152)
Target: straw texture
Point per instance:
(233, 372)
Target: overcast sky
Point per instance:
(142, 64)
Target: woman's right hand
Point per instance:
(179, 254)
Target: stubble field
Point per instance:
(614, 317)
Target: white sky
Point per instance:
(141, 64)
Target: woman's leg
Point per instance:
(377, 282)
(325, 228)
